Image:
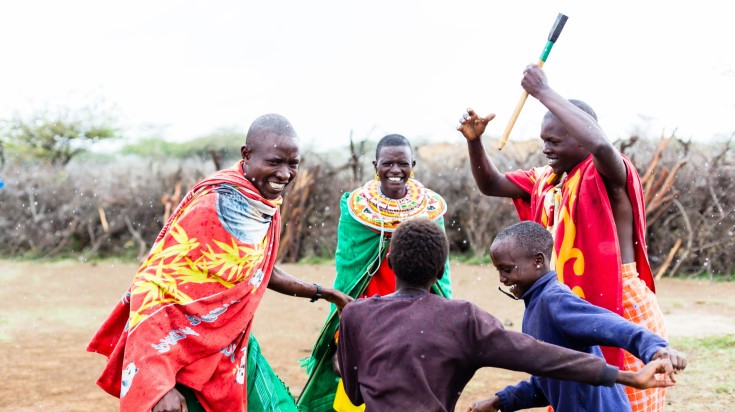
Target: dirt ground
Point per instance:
(49, 311)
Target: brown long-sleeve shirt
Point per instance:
(419, 352)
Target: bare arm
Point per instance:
(489, 180)
(580, 125)
(286, 284)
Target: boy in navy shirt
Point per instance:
(555, 315)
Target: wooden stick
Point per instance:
(553, 35)
(514, 116)
(668, 260)
(103, 220)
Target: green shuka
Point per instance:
(266, 391)
(359, 253)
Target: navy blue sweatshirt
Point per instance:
(556, 315)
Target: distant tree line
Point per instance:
(60, 200)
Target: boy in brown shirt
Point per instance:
(412, 350)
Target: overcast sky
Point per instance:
(182, 69)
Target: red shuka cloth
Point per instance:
(586, 246)
(383, 281)
(187, 316)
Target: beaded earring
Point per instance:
(411, 176)
(376, 176)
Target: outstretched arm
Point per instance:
(587, 324)
(580, 125)
(489, 180)
(286, 284)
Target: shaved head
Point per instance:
(271, 154)
(580, 104)
(270, 123)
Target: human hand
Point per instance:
(646, 377)
(337, 297)
(678, 360)
(488, 405)
(534, 80)
(335, 365)
(172, 401)
(472, 125)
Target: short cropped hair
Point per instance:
(392, 140)
(418, 251)
(271, 122)
(529, 236)
(580, 104)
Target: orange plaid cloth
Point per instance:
(641, 307)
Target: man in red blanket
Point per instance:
(185, 320)
(590, 198)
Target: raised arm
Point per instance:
(286, 284)
(580, 125)
(489, 180)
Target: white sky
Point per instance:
(182, 69)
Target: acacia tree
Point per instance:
(54, 138)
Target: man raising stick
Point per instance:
(590, 198)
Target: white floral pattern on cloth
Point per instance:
(127, 378)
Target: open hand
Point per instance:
(472, 125)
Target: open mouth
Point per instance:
(395, 179)
(553, 161)
(277, 186)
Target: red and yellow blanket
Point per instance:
(586, 246)
(187, 315)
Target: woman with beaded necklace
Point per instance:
(369, 215)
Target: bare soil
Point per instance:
(48, 312)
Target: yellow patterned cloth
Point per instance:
(187, 316)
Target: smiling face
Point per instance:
(562, 150)
(515, 268)
(393, 166)
(271, 162)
